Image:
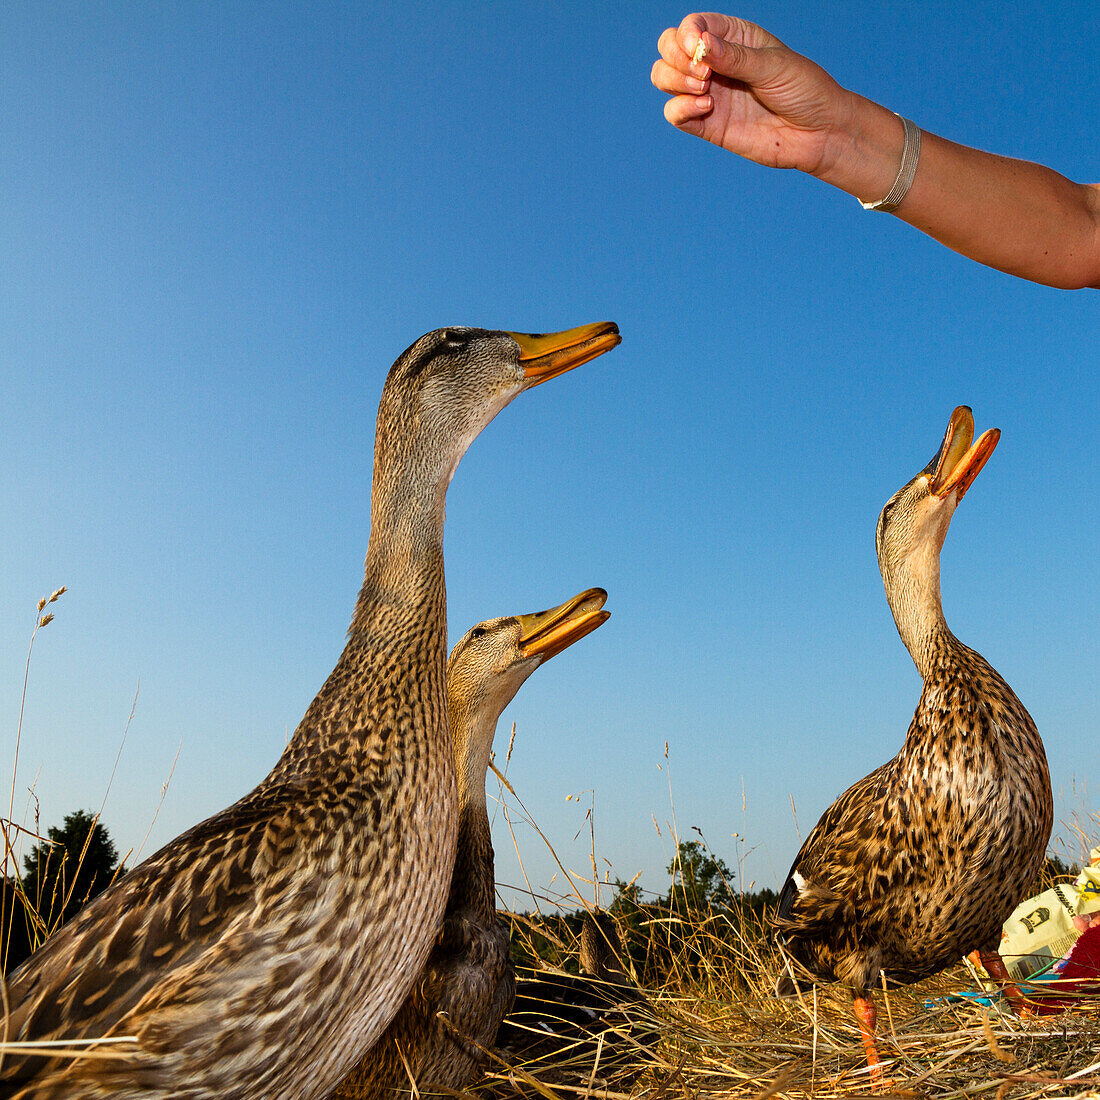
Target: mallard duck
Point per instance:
(566, 1027)
(438, 1038)
(921, 862)
(261, 953)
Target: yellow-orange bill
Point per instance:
(960, 462)
(960, 431)
(547, 633)
(545, 355)
(962, 477)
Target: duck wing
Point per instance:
(841, 893)
(851, 854)
(451, 1016)
(215, 943)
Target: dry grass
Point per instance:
(14, 904)
(712, 1027)
(719, 1032)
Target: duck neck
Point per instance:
(404, 563)
(473, 886)
(393, 662)
(913, 592)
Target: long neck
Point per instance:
(913, 592)
(392, 668)
(473, 886)
(404, 561)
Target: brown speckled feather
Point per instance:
(438, 1037)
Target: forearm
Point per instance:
(1010, 214)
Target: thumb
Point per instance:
(745, 63)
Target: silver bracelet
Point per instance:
(910, 154)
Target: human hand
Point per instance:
(750, 94)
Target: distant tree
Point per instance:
(628, 895)
(77, 863)
(760, 902)
(1056, 869)
(697, 929)
(701, 881)
(16, 933)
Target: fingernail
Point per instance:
(696, 85)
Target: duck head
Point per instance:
(444, 389)
(489, 665)
(913, 525)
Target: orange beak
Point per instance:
(546, 355)
(547, 633)
(959, 461)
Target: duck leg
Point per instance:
(864, 1009)
(995, 968)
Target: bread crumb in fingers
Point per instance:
(700, 52)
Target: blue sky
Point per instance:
(223, 223)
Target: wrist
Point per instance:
(864, 153)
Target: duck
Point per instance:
(439, 1039)
(566, 1026)
(920, 862)
(263, 952)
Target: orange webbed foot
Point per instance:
(995, 968)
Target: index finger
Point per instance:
(690, 33)
(672, 51)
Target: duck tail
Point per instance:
(811, 909)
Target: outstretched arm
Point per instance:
(754, 96)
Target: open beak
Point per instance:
(547, 633)
(545, 355)
(960, 461)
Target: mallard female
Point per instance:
(921, 862)
(437, 1041)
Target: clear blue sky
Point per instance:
(222, 222)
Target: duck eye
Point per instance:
(478, 632)
(453, 339)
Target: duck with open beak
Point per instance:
(440, 1037)
(921, 862)
(327, 882)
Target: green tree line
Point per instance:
(64, 871)
(694, 927)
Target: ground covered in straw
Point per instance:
(713, 1029)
